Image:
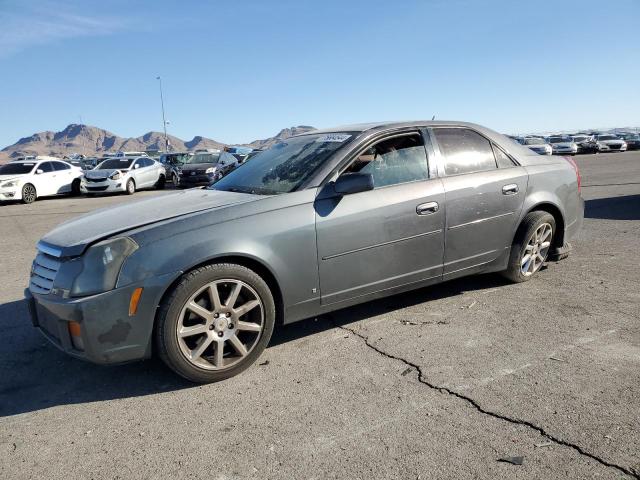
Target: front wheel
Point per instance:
(75, 187)
(29, 194)
(531, 246)
(131, 187)
(160, 184)
(215, 323)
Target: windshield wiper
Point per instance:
(249, 190)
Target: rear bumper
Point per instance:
(108, 333)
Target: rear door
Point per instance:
(484, 191)
(387, 237)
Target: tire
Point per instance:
(175, 179)
(75, 187)
(519, 270)
(131, 187)
(160, 184)
(29, 193)
(215, 326)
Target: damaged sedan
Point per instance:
(320, 221)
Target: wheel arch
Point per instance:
(249, 262)
(556, 213)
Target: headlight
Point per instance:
(9, 184)
(115, 176)
(101, 266)
(210, 170)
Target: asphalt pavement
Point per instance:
(452, 381)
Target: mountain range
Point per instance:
(94, 141)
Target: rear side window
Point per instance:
(465, 151)
(504, 161)
(394, 161)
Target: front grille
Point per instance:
(97, 189)
(94, 179)
(44, 270)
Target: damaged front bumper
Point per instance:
(105, 332)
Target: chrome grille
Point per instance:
(44, 269)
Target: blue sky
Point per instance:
(240, 70)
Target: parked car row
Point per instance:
(580, 143)
(30, 178)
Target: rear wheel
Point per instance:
(160, 184)
(29, 194)
(215, 323)
(531, 246)
(131, 187)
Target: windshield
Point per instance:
(285, 166)
(559, 139)
(175, 158)
(579, 139)
(533, 141)
(115, 163)
(607, 137)
(203, 158)
(16, 168)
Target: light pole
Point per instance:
(164, 122)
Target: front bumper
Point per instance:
(105, 186)
(565, 151)
(612, 148)
(197, 180)
(108, 333)
(7, 194)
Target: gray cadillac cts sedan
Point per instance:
(320, 221)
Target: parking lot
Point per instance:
(443, 382)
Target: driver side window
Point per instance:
(393, 161)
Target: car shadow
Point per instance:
(36, 375)
(626, 207)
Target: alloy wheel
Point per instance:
(214, 334)
(535, 253)
(29, 193)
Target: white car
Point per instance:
(28, 180)
(610, 143)
(538, 145)
(562, 145)
(124, 174)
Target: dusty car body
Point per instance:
(202, 276)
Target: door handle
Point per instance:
(510, 189)
(427, 208)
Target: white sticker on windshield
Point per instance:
(333, 137)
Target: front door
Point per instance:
(484, 191)
(386, 237)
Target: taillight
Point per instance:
(577, 170)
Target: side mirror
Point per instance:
(137, 165)
(349, 183)
(39, 171)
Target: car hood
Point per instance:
(609, 142)
(541, 146)
(8, 178)
(98, 174)
(198, 166)
(73, 237)
(563, 144)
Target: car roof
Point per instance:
(362, 127)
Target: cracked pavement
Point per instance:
(438, 383)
